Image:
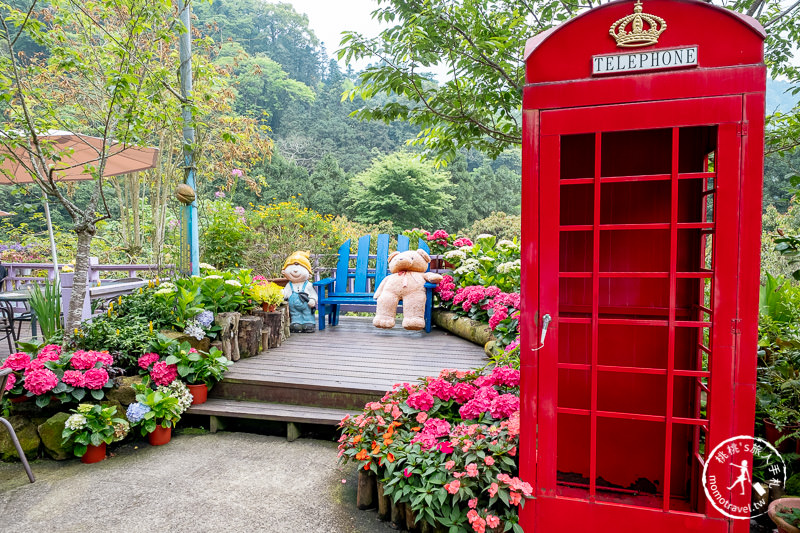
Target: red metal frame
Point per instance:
(641, 224)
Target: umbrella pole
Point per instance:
(190, 211)
(52, 236)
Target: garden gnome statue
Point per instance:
(300, 292)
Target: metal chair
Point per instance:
(7, 326)
(3, 378)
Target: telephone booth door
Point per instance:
(638, 234)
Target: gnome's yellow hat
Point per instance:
(301, 258)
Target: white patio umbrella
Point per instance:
(83, 150)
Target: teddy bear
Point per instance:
(406, 282)
(299, 292)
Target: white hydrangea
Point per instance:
(455, 254)
(484, 236)
(232, 283)
(75, 422)
(214, 276)
(206, 266)
(469, 265)
(507, 268)
(505, 243)
(167, 285)
(193, 329)
(178, 389)
(466, 249)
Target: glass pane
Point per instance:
(646, 152)
(577, 156)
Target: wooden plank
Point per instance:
(342, 267)
(362, 262)
(402, 243)
(270, 411)
(382, 260)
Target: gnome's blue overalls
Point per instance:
(300, 293)
(299, 311)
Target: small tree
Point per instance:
(401, 188)
(105, 74)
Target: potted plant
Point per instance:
(90, 428)
(268, 294)
(155, 412)
(198, 369)
(785, 513)
(778, 397)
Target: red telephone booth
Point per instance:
(642, 175)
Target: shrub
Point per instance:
(224, 235)
(503, 225)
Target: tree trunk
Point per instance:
(74, 314)
(249, 335)
(274, 321)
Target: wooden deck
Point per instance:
(332, 372)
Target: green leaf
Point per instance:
(97, 394)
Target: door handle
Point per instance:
(546, 319)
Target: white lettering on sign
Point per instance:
(651, 60)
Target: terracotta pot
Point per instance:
(159, 436)
(773, 434)
(268, 308)
(782, 503)
(94, 454)
(199, 393)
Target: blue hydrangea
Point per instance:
(205, 318)
(136, 412)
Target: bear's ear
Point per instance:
(424, 255)
(393, 255)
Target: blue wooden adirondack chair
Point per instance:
(357, 286)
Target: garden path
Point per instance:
(224, 482)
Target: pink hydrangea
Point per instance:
(441, 389)
(163, 374)
(438, 427)
(40, 381)
(74, 378)
(83, 360)
(513, 345)
(463, 241)
(463, 392)
(425, 440)
(505, 375)
(104, 358)
(51, 352)
(95, 378)
(11, 381)
(474, 408)
(421, 400)
(147, 359)
(483, 381)
(36, 364)
(500, 313)
(446, 295)
(504, 406)
(17, 361)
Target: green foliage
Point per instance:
(488, 262)
(128, 327)
(165, 410)
(282, 228)
(193, 366)
(793, 485)
(223, 235)
(45, 301)
(790, 514)
(481, 43)
(402, 189)
(499, 223)
(93, 424)
(219, 292)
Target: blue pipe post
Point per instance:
(189, 211)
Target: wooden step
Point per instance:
(301, 414)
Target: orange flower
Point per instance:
(390, 457)
(356, 439)
(366, 466)
(397, 424)
(387, 442)
(362, 455)
(376, 450)
(390, 431)
(415, 428)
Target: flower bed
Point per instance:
(446, 448)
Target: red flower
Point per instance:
(95, 378)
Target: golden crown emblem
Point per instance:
(637, 36)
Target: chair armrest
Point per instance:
(429, 285)
(323, 282)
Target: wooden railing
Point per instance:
(20, 274)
